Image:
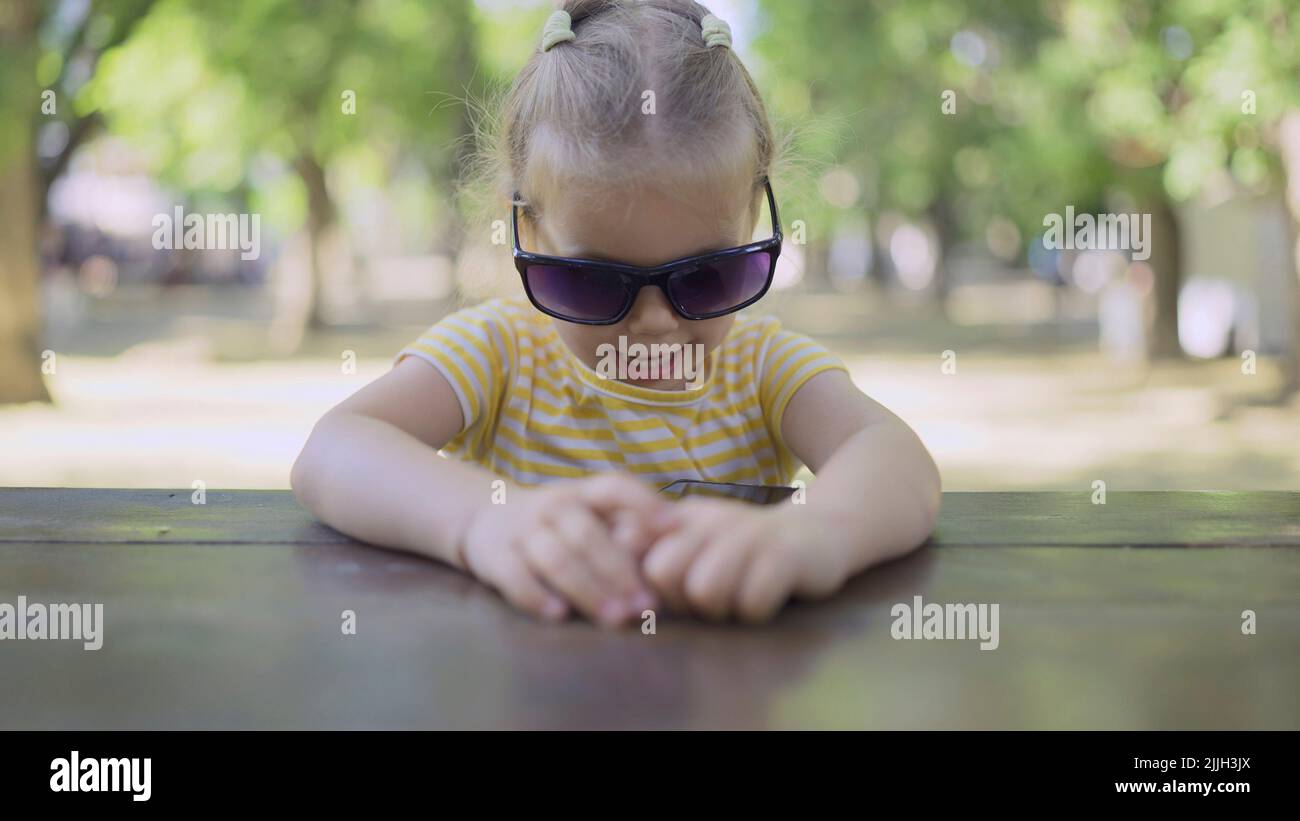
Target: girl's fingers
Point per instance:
(610, 493)
(505, 570)
(667, 562)
(767, 585)
(627, 532)
(713, 579)
(589, 538)
(635, 532)
(561, 568)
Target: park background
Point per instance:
(931, 138)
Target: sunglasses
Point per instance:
(593, 292)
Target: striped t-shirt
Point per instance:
(535, 413)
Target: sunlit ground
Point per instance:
(165, 415)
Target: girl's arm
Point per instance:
(876, 483)
(371, 468)
(876, 496)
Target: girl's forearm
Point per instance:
(879, 494)
(377, 483)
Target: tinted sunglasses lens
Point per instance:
(722, 284)
(577, 293)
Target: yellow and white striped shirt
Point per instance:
(535, 413)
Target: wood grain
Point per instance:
(244, 631)
(1133, 518)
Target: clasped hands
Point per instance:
(610, 548)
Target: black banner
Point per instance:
(1218, 770)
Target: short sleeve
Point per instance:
(786, 360)
(473, 349)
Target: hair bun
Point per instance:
(716, 31)
(558, 29)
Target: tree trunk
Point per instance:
(1166, 263)
(1289, 148)
(20, 313)
(320, 217)
(945, 229)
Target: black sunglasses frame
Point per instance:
(634, 278)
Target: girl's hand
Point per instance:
(575, 542)
(731, 558)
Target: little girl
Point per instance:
(635, 155)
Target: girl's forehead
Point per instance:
(646, 224)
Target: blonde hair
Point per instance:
(575, 118)
(575, 111)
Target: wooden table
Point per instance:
(228, 615)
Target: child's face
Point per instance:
(646, 227)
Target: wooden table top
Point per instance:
(228, 615)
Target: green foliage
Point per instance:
(268, 83)
(1056, 102)
(1059, 102)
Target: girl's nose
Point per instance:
(651, 315)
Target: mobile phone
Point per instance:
(755, 494)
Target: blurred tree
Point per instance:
(966, 112)
(1288, 139)
(20, 362)
(296, 83)
(45, 56)
(925, 104)
(1180, 96)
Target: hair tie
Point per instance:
(558, 29)
(716, 32)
